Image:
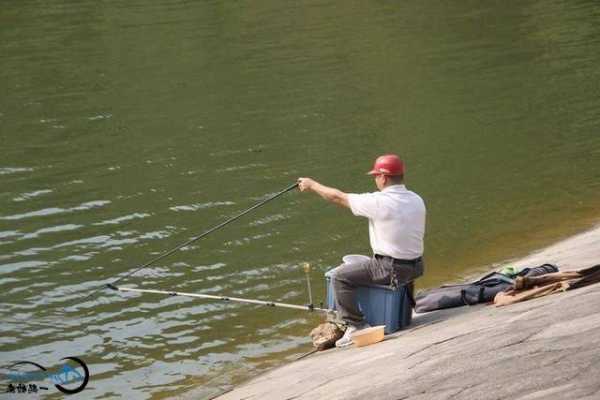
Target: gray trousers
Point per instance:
(376, 271)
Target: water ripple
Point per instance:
(56, 210)
(199, 206)
(242, 167)
(59, 228)
(31, 195)
(13, 170)
(123, 218)
(14, 267)
(8, 234)
(268, 219)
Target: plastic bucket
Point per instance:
(353, 258)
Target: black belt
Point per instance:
(399, 260)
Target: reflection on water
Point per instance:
(127, 129)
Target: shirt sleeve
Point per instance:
(364, 205)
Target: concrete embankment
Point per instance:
(546, 348)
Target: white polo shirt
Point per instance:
(396, 220)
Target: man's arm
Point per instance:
(328, 193)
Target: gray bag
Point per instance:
(481, 291)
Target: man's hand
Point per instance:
(330, 194)
(305, 184)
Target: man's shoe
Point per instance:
(346, 340)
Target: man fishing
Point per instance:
(396, 229)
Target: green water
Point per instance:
(128, 127)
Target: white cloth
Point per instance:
(396, 220)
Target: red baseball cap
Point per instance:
(388, 164)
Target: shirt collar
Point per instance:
(395, 188)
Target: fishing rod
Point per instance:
(308, 307)
(194, 239)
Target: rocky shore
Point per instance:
(546, 348)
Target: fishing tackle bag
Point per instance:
(481, 291)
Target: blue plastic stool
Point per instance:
(381, 305)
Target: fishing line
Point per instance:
(194, 239)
